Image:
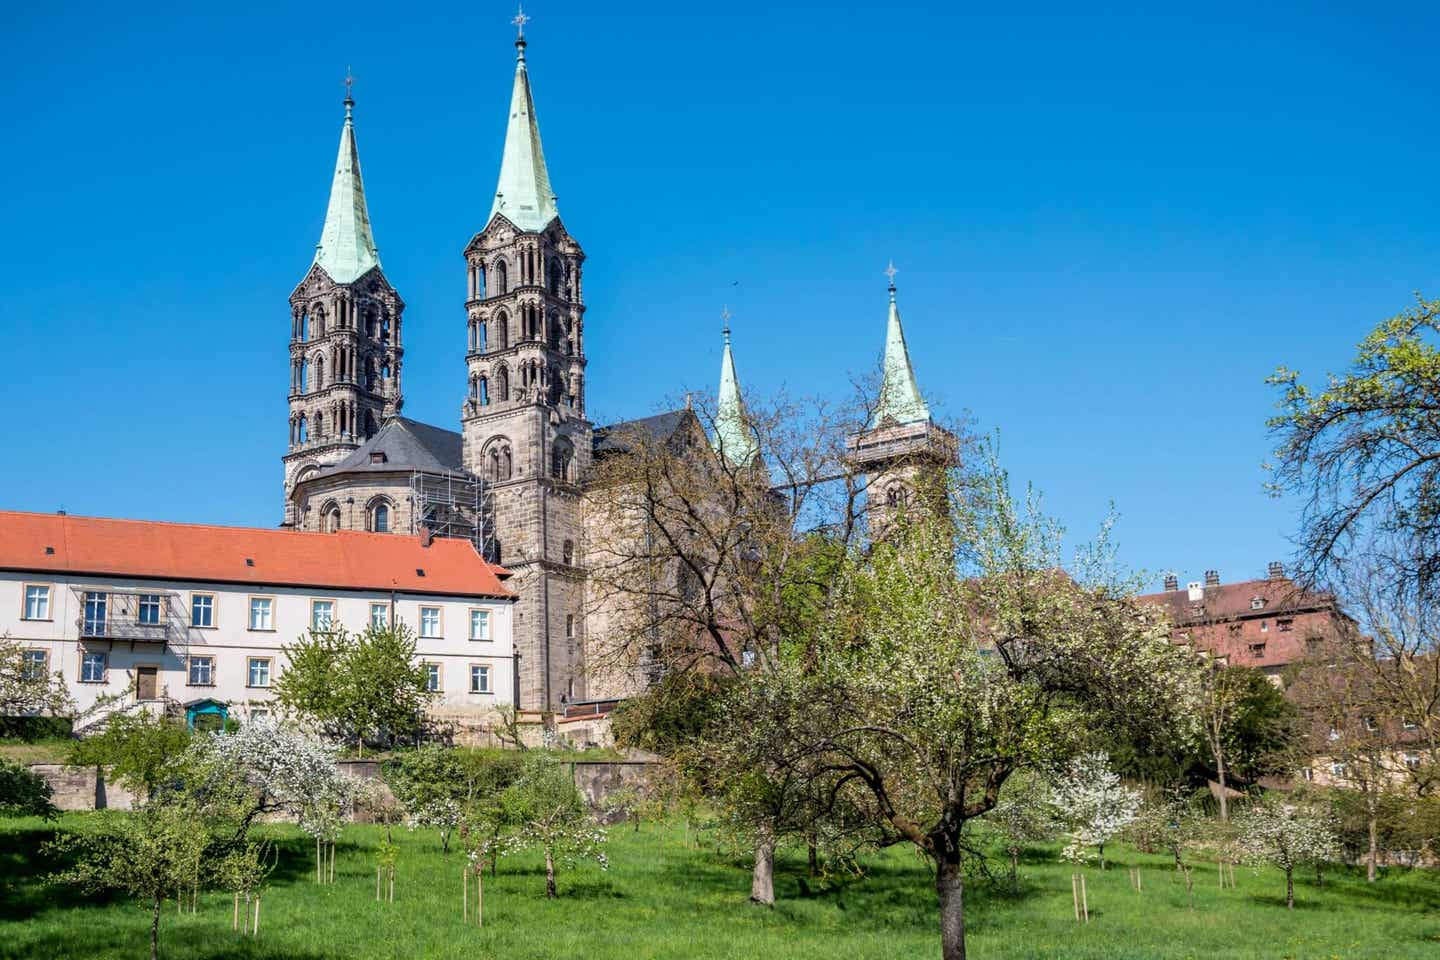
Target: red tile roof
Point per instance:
(1228, 601)
(182, 551)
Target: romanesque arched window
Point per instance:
(557, 276)
(507, 466)
(319, 425)
(492, 466)
(502, 384)
(302, 430)
(482, 394)
(502, 277)
(502, 331)
(380, 517)
(319, 373)
(567, 553)
(330, 517)
(482, 336)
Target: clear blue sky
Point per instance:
(1110, 224)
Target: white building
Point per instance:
(199, 615)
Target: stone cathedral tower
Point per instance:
(345, 348)
(523, 420)
(903, 452)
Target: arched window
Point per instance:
(319, 425)
(502, 278)
(482, 336)
(567, 553)
(319, 373)
(385, 329)
(502, 331)
(480, 281)
(494, 464)
(483, 393)
(895, 496)
(506, 464)
(302, 430)
(380, 518)
(305, 326)
(560, 456)
(502, 385)
(557, 276)
(330, 518)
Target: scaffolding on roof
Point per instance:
(454, 505)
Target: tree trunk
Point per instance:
(762, 876)
(1373, 855)
(155, 929)
(1220, 779)
(444, 841)
(812, 855)
(950, 885)
(1289, 888)
(1101, 848)
(550, 874)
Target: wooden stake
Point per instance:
(255, 931)
(1084, 902)
(377, 884)
(1075, 895)
(465, 895)
(235, 919)
(479, 898)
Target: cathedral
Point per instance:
(512, 479)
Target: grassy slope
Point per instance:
(661, 899)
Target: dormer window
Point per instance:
(1257, 603)
(377, 456)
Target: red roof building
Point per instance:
(1266, 624)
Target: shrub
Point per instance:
(23, 792)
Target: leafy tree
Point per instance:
(1363, 453)
(23, 793)
(431, 785)
(136, 750)
(24, 690)
(930, 683)
(1287, 834)
(149, 855)
(368, 686)
(1248, 728)
(1095, 804)
(1024, 813)
(543, 809)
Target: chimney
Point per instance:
(427, 536)
(1172, 582)
(1212, 578)
(1277, 570)
(1195, 591)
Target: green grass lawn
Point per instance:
(663, 899)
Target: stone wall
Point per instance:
(82, 788)
(598, 779)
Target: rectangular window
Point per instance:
(92, 667)
(262, 610)
(1337, 769)
(95, 607)
(34, 664)
(1412, 760)
(479, 678)
(479, 624)
(432, 677)
(258, 672)
(429, 621)
(322, 615)
(1285, 625)
(569, 626)
(148, 611)
(380, 615)
(202, 671)
(1257, 650)
(202, 610)
(37, 602)
(1307, 773)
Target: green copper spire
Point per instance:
(523, 194)
(733, 439)
(900, 400)
(347, 249)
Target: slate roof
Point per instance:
(661, 426)
(348, 560)
(406, 445)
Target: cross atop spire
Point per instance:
(725, 321)
(520, 20)
(890, 272)
(349, 93)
